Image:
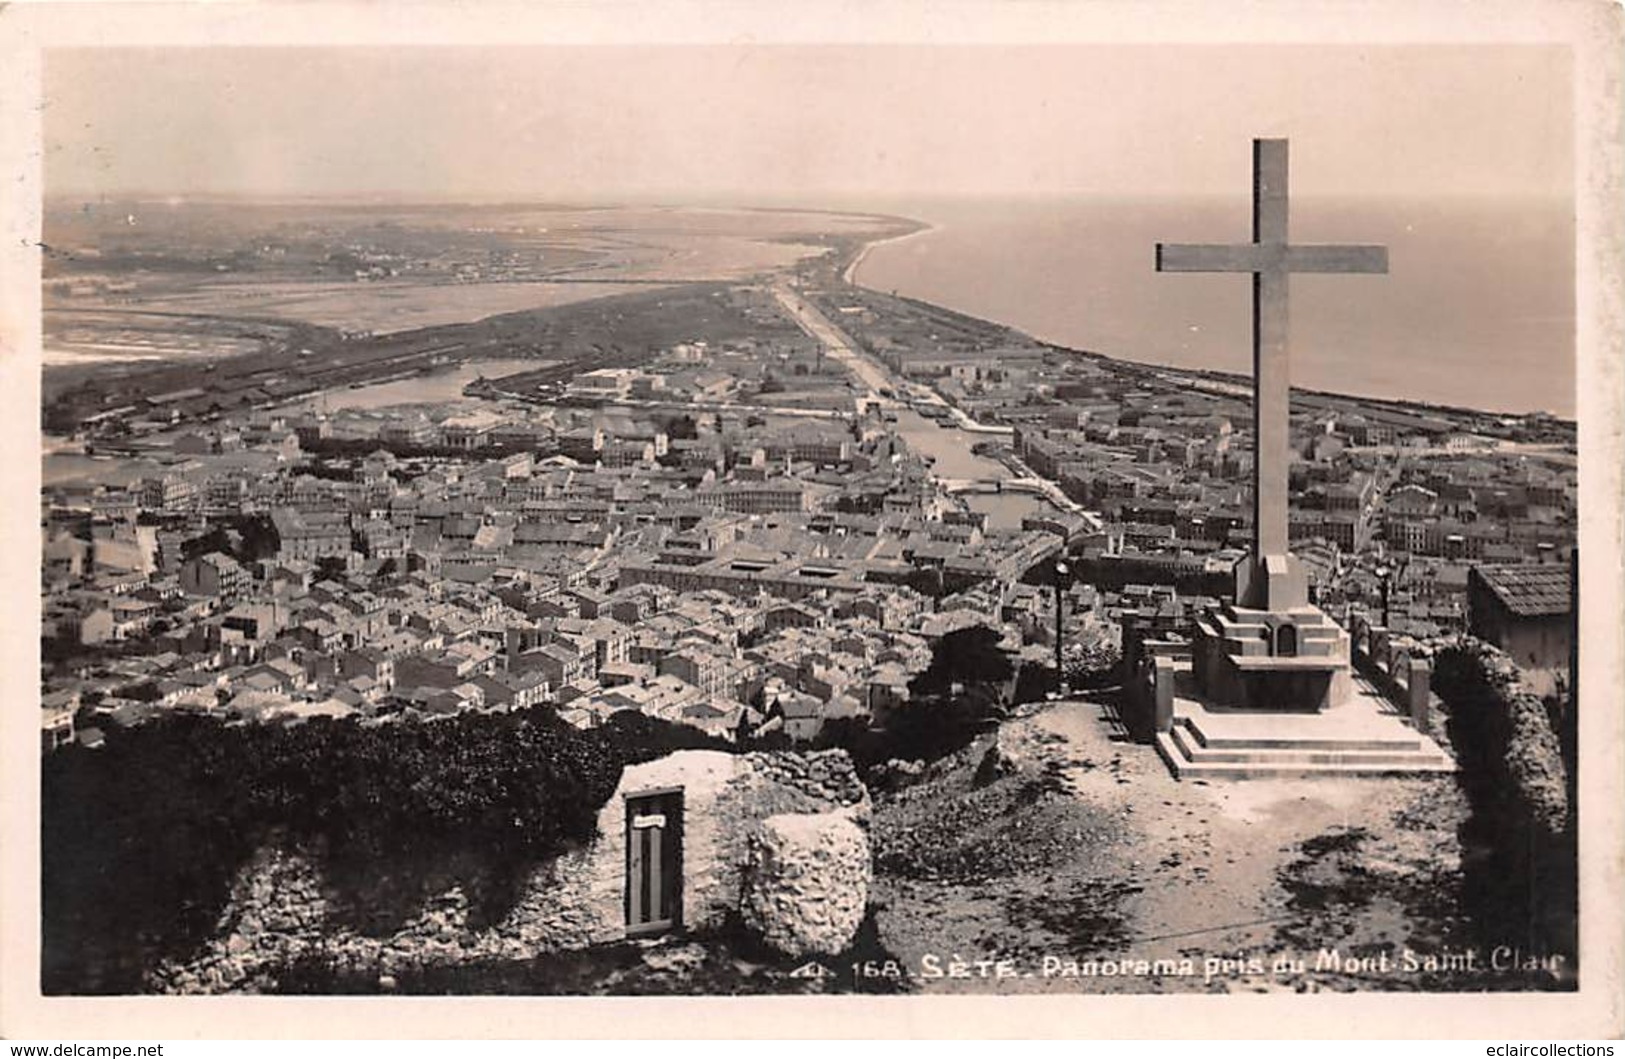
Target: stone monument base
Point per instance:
(1275, 661)
(1278, 581)
(1363, 735)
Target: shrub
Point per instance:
(959, 696)
(142, 838)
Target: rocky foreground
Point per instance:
(1060, 856)
(1054, 854)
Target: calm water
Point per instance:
(1477, 309)
(1006, 510)
(437, 388)
(950, 448)
(63, 466)
(69, 468)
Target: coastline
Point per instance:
(61, 371)
(849, 274)
(849, 277)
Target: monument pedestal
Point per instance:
(1270, 691)
(1363, 735)
(1272, 650)
(1292, 661)
(1275, 580)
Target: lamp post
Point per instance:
(1061, 570)
(1384, 576)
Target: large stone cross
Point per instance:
(1270, 258)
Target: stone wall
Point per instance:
(1486, 695)
(1525, 886)
(807, 783)
(277, 914)
(1397, 666)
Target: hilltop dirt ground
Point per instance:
(1084, 846)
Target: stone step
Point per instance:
(1266, 763)
(1332, 755)
(1402, 740)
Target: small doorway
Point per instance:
(654, 862)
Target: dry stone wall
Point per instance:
(274, 915)
(806, 783)
(1484, 689)
(1513, 773)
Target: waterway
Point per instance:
(950, 450)
(438, 388)
(948, 447)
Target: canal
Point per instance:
(950, 450)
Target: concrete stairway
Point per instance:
(1210, 744)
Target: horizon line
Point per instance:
(745, 198)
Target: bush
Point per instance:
(638, 737)
(1098, 664)
(959, 696)
(965, 656)
(141, 839)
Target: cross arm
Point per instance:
(1312, 258)
(1213, 257)
(1265, 257)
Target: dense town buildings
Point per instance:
(501, 570)
(741, 537)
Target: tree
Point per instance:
(928, 581)
(259, 538)
(964, 656)
(213, 541)
(331, 568)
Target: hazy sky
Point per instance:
(804, 122)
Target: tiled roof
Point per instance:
(1529, 589)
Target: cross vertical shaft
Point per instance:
(1272, 380)
(1271, 258)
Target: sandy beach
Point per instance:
(848, 276)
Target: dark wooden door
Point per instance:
(654, 862)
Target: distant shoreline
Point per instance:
(849, 277)
(849, 274)
(892, 228)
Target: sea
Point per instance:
(1476, 311)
